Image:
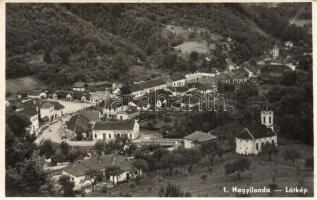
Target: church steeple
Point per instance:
(267, 117)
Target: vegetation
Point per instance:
(116, 36)
(172, 191)
(238, 166)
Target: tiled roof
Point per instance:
(114, 125)
(135, 88)
(82, 167)
(255, 131)
(78, 124)
(199, 136)
(79, 84)
(90, 115)
(152, 83)
(177, 77)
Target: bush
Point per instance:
(132, 185)
(204, 177)
(104, 189)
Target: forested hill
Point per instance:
(64, 43)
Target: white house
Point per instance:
(275, 52)
(178, 81)
(252, 138)
(38, 94)
(109, 130)
(79, 170)
(79, 86)
(47, 111)
(198, 138)
(141, 88)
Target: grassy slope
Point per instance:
(260, 175)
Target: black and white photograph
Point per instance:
(158, 99)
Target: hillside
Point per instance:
(64, 43)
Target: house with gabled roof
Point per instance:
(178, 80)
(198, 138)
(79, 170)
(77, 125)
(109, 130)
(30, 110)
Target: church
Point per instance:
(252, 138)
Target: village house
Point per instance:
(195, 77)
(179, 91)
(79, 170)
(37, 94)
(178, 80)
(275, 52)
(141, 88)
(252, 138)
(30, 110)
(170, 144)
(127, 112)
(79, 86)
(197, 138)
(77, 125)
(47, 111)
(109, 130)
(91, 115)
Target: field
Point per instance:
(188, 47)
(23, 84)
(262, 173)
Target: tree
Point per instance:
(269, 149)
(113, 171)
(171, 191)
(93, 176)
(309, 163)
(47, 57)
(289, 78)
(238, 166)
(65, 148)
(292, 155)
(194, 56)
(47, 149)
(191, 157)
(100, 147)
(272, 187)
(141, 165)
(169, 162)
(208, 150)
(120, 62)
(67, 186)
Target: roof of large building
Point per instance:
(79, 84)
(114, 125)
(255, 131)
(199, 136)
(177, 77)
(78, 124)
(135, 88)
(82, 167)
(152, 83)
(90, 115)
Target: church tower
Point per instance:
(267, 118)
(275, 52)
